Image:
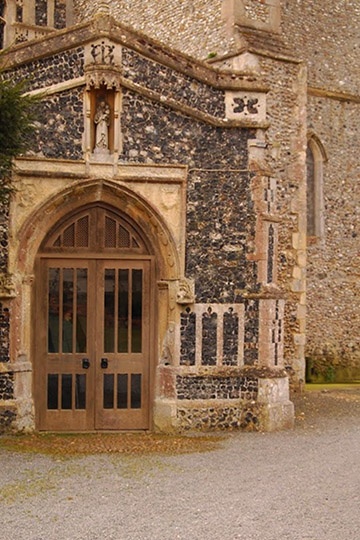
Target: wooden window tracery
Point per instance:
(95, 229)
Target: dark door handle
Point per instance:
(85, 363)
(104, 363)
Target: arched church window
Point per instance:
(315, 158)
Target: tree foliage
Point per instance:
(17, 115)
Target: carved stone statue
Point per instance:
(167, 352)
(102, 123)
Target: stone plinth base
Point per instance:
(215, 401)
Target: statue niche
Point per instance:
(102, 123)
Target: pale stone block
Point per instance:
(299, 339)
(164, 418)
(278, 416)
(273, 390)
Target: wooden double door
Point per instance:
(92, 344)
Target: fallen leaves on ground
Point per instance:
(105, 443)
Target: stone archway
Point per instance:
(158, 246)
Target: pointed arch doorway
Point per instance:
(93, 324)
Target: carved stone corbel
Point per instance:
(185, 292)
(102, 76)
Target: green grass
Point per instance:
(309, 387)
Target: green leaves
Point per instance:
(17, 115)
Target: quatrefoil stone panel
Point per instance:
(242, 105)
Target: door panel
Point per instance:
(122, 359)
(92, 344)
(64, 375)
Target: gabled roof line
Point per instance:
(104, 26)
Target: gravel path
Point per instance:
(302, 484)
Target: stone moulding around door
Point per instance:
(72, 196)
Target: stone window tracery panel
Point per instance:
(41, 12)
(59, 14)
(271, 254)
(212, 335)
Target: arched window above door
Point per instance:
(94, 229)
(315, 159)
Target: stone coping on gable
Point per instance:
(104, 26)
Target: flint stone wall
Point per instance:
(286, 102)
(194, 27)
(7, 417)
(4, 333)
(333, 292)
(170, 83)
(45, 72)
(41, 12)
(333, 261)
(4, 237)
(60, 126)
(326, 36)
(6, 386)
(220, 214)
(245, 416)
(213, 387)
(60, 14)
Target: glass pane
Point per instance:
(53, 316)
(66, 391)
(52, 391)
(68, 310)
(108, 391)
(136, 323)
(122, 393)
(80, 391)
(81, 310)
(109, 311)
(136, 391)
(123, 320)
